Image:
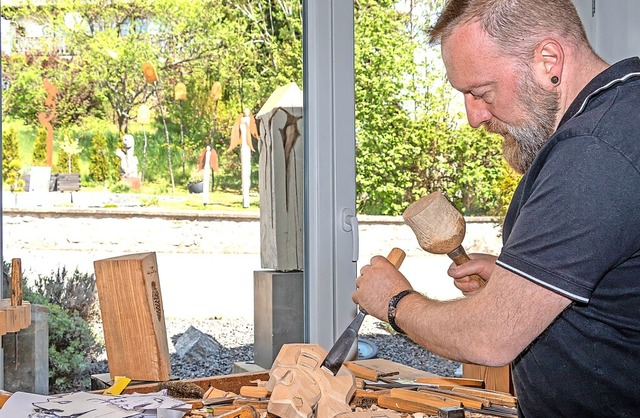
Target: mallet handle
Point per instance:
(459, 256)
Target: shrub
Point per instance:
(71, 301)
(75, 293)
(24, 99)
(160, 186)
(150, 201)
(120, 187)
(11, 164)
(99, 166)
(72, 346)
(40, 148)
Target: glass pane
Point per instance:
(137, 129)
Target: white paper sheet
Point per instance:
(20, 405)
(90, 405)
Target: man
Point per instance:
(562, 301)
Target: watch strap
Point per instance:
(393, 307)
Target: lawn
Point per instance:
(156, 193)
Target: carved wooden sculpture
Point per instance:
(281, 179)
(46, 118)
(301, 388)
(241, 133)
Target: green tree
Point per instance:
(384, 66)
(24, 98)
(409, 140)
(40, 148)
(69, 155)
(79, 96)
(100, 161)
(11, 163)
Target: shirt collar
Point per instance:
(613, 75)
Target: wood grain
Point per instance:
(133, 317)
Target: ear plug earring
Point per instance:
(555, 79)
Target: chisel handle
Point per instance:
(396, 257)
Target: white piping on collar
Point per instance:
(606, 86)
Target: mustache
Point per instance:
(495, 127)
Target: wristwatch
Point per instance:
(393, 307)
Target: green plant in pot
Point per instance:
(196, 180)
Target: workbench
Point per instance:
(237, 382)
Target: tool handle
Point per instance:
(16, 282)
(396, 257)
(459, 256)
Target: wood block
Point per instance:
(494, 397)
(133, 317)
(429, 399)
(451, 381)
(384, 366)
(495, 378)
(362, 372)
(16, 282)
(3, 322)
(403, 405)
(256, 392)
(14, 318)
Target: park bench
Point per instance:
(59, 182)
(68, 182)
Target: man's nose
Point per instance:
(477, 112)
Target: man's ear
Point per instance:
(548, 62)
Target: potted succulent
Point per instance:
(196, 180)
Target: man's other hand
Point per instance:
(480, 264)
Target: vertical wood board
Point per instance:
(133, 317)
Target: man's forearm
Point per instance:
(489, 328)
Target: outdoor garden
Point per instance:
(176, 75)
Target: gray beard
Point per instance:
(523, 142)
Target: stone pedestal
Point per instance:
(278, 313)
(26, 355)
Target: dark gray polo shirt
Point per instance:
(573, 227)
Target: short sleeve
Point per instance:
(580, 218)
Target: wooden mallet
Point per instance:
(439, 227)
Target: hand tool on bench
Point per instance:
(439, 228)
(340, 350)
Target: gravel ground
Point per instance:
(235, 336)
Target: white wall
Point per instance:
(613, 27)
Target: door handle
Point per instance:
(350, 224)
